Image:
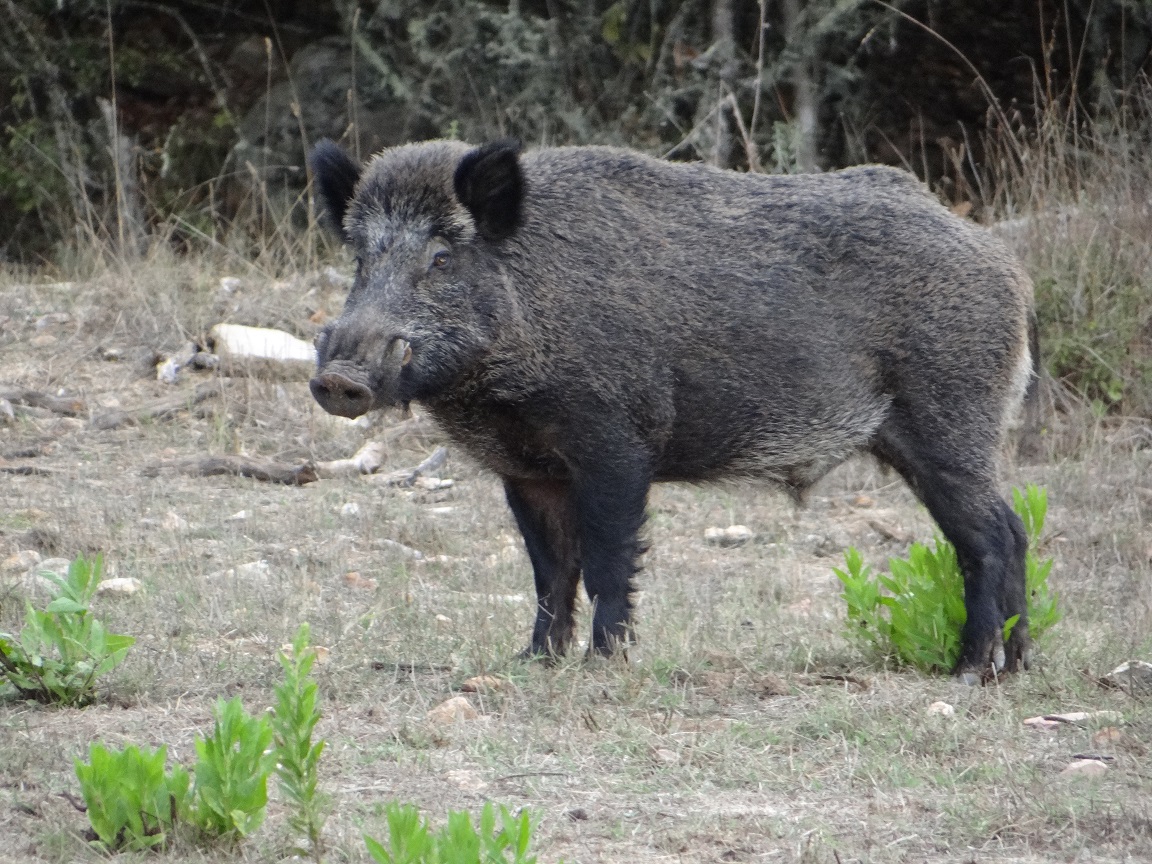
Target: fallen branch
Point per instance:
(158, 410)
(7, 467)
(70, 406)
(409, 476)
(367, 460)
(241, 466)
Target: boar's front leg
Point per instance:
(610, 497)
(543, 512)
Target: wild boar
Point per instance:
(586, 321)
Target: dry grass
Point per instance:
(719, 741)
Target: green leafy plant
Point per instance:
(297, 757)
(132, 802)
(412, 841)
(232, 768)
(62, 651)
(916, 612)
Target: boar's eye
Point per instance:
(441, 259)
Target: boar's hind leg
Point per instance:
(958, 487)
(543, 512)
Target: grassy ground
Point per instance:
(745, 728)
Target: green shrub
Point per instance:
(412, 841)
(232, 768)
(919, 620)
(297, 758)
(62, 651)
(132, 803)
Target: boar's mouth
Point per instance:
(348, 389)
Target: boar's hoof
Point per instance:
(338, 394)
(998, 658)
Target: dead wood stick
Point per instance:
(243, 466)
(367, 460)
(408, 476)
(7, 467)
(70, 406)
(160, 409)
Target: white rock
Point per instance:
(230, 285)
(255, 571)
(238, 516)
(733, 535)
(441, 511)
(351, 508)
(172, 521)
(941, 708)
(169, 371)
(123, 585)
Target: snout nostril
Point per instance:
(338, 394)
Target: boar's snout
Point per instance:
(339, 394)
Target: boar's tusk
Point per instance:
(407, 358)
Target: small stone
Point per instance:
(351, 508)
(253, 571)
(110, 355)
(469, 781)
(577, 814)
(20, 562)
(668, 757)
(168, 371)
(443, 622)
(862, 500)
(431, 484)
(454, 710)
(1085, 768)
(483, 684)
(733, 535)
(42, 341)
(52, 319)
(229, 285)
(238, 516)
(172, 521)
(7, 413)
(942, 709)
(323, 655)
(120, 586)
(441, 511)
(355, 580)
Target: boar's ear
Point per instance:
(489, 183)
(336, 174)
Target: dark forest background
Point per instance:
(189, 104)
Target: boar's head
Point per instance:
(425, 222)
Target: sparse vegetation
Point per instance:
(918, 620)
(133, 803)
(296, 755)
(63, 650)
(412, 841)
(232, 768)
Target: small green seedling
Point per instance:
(297, 758)
(412, 841)
(62, 651)
(232, 768)
(915, 612)
(132, 803)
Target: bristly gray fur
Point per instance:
(652, 321)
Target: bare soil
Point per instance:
(744, 726)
